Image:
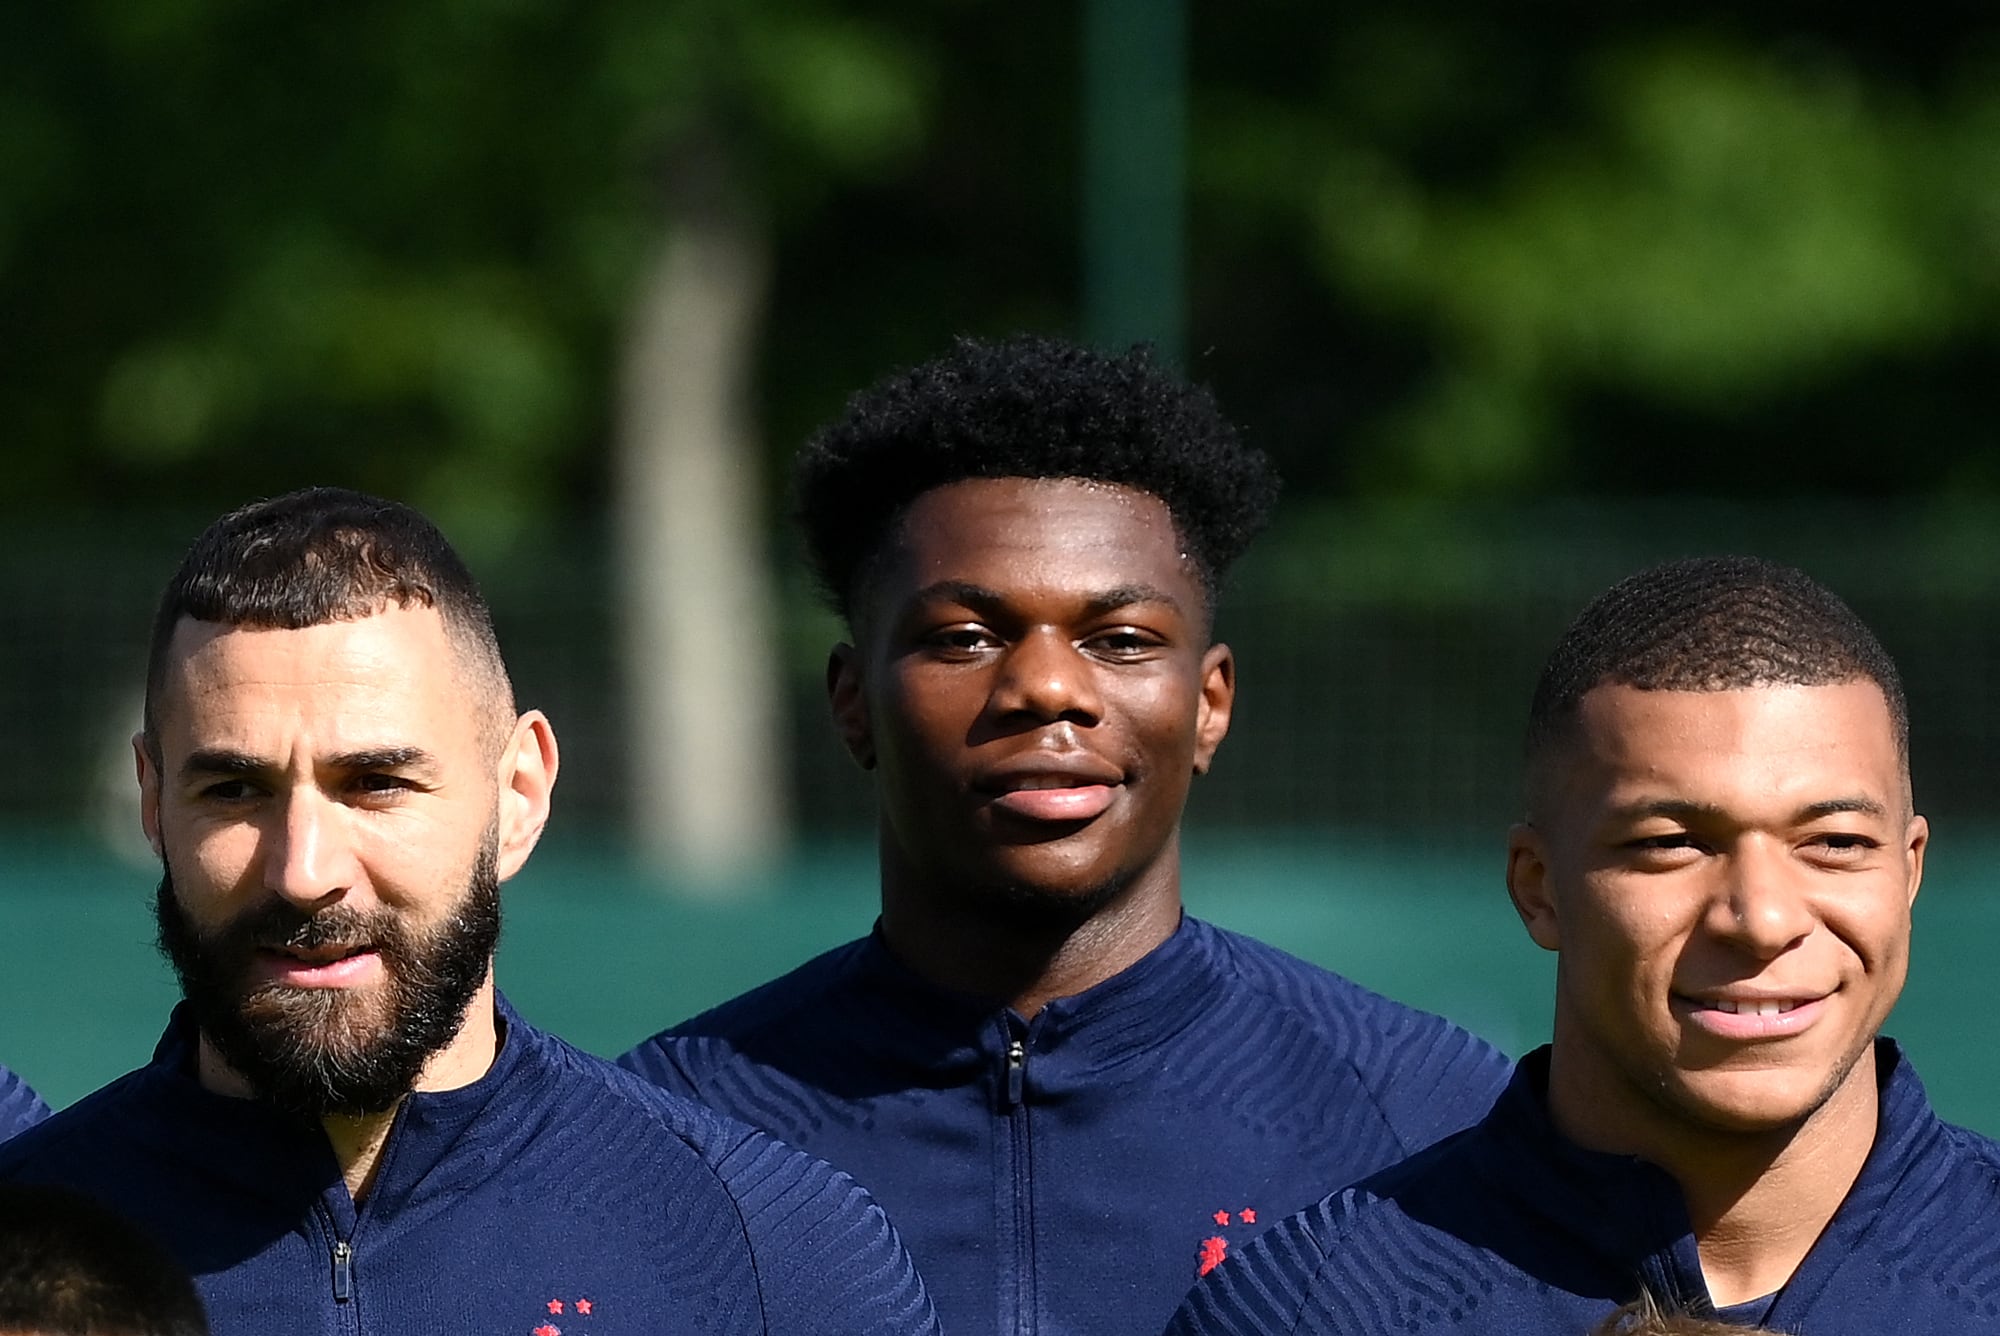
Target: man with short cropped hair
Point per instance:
(345, 1128)
(20, 1107)
(1722, 850)
(1072, 1098)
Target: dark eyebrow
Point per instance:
(220, 761)
(228, 761)
(1835, 806)
(1683, 810)
(988, 602)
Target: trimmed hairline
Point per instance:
(1559, 727)
(479, 661)
(849, 603)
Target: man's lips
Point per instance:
(1077, 803)
(1073, 793)
(324, 967)
(1751, 1016)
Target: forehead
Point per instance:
(1034, 533)
(1741, 749)
(390, 676)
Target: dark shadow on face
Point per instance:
(319, 1051)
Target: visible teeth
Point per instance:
(1754, 1008)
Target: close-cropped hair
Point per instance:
(1710, 624)
(1027, 407)
(321, 555)
(70, 1267)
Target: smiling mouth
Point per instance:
(1752, 1019)
(1765, 1008)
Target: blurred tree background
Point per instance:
(1723, 276)
(1519, 297)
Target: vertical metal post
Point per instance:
(1135, 128)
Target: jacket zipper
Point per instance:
(1023, 1203)
(343, 1271)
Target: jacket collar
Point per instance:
(1629, 1216)
(915, 1021)
(276, 1157)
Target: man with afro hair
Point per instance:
(1072, 1098)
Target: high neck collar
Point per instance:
(268, 1153)
(1141, 1005)
(1630, 1216)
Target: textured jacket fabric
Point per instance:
(555, 1196)
(20, 1107)
(1510, 1228)
(1074, 1175)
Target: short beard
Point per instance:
(320, 1051)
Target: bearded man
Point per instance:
(345, 1128)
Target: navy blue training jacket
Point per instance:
(20, 1107)
(1509, 1228)
(555, 1196)
(1072, 1176)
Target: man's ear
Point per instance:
(847, 697)
(149, 792)
(1529, 886)
(528, 765)
(1916, 839)
(1218, 698)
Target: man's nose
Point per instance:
(1765, 904)
(1045, 677)
(307, 855)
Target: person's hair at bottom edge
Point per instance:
(1645, 1317)
(70, 1267)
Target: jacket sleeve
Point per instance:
(20, 1107)
(828, 1261)
(1262, 1291)
(1434, 1078)
(657, 1061)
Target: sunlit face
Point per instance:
(1036, 689)
(332, 824)
(1727, 877)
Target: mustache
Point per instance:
(280, 926)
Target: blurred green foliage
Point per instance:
(389, 244)
(1435, 250)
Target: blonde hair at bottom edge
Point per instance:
(1644, 1317)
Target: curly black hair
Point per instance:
(1027, 407)
(1710, 624)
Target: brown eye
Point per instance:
(1844, 846)
(1667, 850)
(1123, 642)
(228, 791)
(962, 639)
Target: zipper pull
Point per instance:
(1017, 1069)
(343, 1272)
